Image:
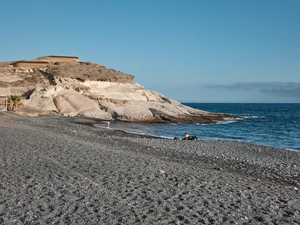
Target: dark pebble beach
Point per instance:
(63, 170)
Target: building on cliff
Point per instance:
(58, 58)
(30, 63)
(43, 61)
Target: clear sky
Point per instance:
(187, 50)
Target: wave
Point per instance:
(228, 121)
(253, 117)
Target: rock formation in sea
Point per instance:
(67, 86)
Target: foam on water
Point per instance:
(227, 121)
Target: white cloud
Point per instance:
(281, 89)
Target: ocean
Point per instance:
(269, 124)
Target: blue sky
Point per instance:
(188, 50)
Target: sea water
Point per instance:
(276, 125)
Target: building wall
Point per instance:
(30, 64)
(58, 58)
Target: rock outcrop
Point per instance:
(92, 90)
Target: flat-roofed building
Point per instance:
(58, 58)
(30, 63)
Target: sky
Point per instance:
(206, 51)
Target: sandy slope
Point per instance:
(54, 171)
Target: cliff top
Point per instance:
(20, 76)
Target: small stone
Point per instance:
(218, 168)
(161, 171)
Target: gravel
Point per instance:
(62, 170)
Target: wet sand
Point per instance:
(58, 170)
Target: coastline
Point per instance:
(59, 170)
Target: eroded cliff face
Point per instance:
(92, 90)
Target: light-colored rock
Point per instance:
(72, 103)
(9, 78)
(92, 90)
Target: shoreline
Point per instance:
(63, 170)
(172, 138)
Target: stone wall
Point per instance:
(3, 103)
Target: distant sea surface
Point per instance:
(276, 125)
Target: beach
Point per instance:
(63, 170)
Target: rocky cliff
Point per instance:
(87, 89)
